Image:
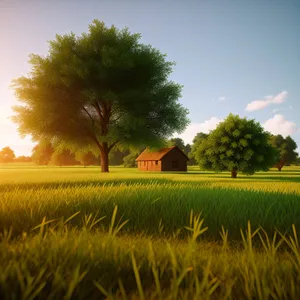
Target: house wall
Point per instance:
(166, 164)
(149, 165)
(174, 156)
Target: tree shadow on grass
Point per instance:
(257, 177)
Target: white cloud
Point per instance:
(263, 103)
(276, 110)
(222, 99)
(280, 98)
(279, 125)
(194, 128)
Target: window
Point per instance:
(174, 164)
(156, 162)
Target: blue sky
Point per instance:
(239, 56)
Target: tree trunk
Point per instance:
(104, 158)
(234, 173)
(280, 165)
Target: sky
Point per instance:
(232, 56)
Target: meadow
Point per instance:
(74, 233)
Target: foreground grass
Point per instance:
(61, 262)
(72, 233)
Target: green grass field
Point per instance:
(74, 233)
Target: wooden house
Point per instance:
(165, 159)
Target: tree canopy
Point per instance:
(86, 158)
(117, 155)
(286, 148)
(42, 153)
(200, 136)
(100, 89)
(23, 158)
(63, 158)
(236, 145)
(176, 142)
(129, 160)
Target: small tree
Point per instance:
(200, 136)
(134, 152)
(129, 160)
(42, 153)
(63, 158)
(236, 145)
(100, 89)
(178, 142)
(286, 148)
(187, 151)
(87, 158)
(117, 155)
(7, 155)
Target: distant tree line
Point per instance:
(236, 145)
(44, 153)
(7, 155)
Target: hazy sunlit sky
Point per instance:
(239, 56)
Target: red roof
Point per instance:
(156, 155)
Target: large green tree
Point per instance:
(286, 148)
(7, 155)
(236, 145)
(100, 89)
